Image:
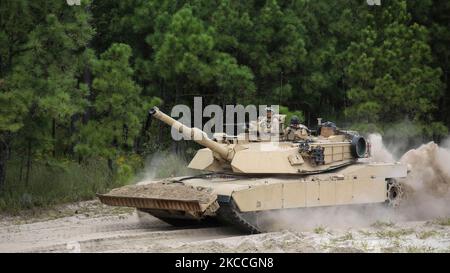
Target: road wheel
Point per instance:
(395, 193)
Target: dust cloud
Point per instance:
(163, 164)
(426, 189)
(428, 182)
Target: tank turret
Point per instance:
(311, 155)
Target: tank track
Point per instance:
(229, 214)
(179, 222)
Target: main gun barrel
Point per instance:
(194, 134)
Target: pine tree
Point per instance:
(41, 82)
(117, 105)
(389, 70)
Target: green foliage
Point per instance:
(13, 108)
(41, 82)
(127, 167)
(55, 182)
(389, 69)
(118, 107)
(285, 111)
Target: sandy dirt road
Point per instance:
(93, 227)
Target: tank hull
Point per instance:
(238, 199)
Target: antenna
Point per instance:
(281, 88)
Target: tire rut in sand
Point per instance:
(124, 232)
(40, 234)
(141, 240)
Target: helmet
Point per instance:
(329, 124)
(294, 120)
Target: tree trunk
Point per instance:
(87, 78)
(3, 160)
(22, 162)
(73, 130)
(110, 165)
(54, 136)
(27, 176)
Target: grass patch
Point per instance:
(319, 230)
(426, 234)
(420, 249)
(443, 221)
(394, 233)
(382, 224)
(347, 236)
(396, 244)
(58, 182)
(365, 232)
(364, 246)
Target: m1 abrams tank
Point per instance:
(245, 178)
